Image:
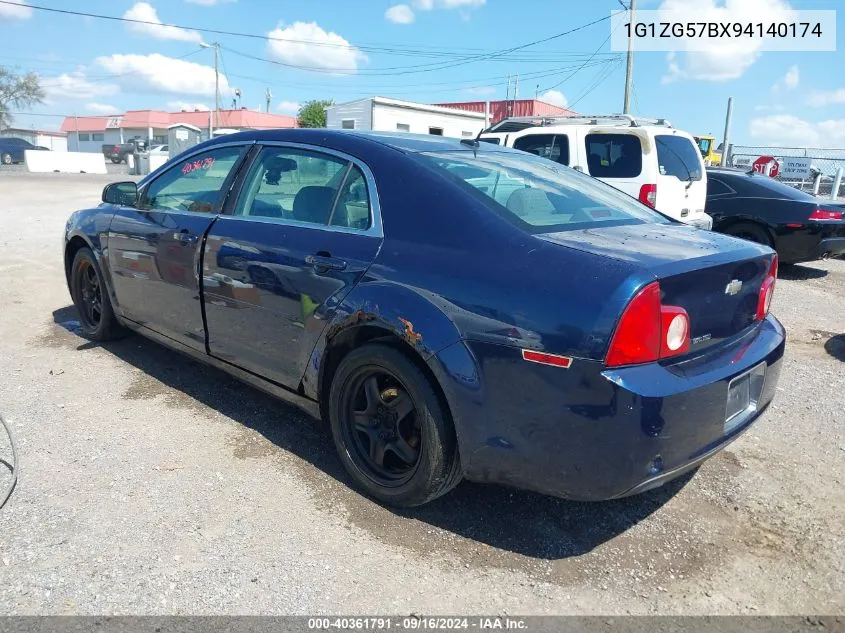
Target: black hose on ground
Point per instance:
(13, 465)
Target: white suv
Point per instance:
(619, 150)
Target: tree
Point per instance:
(17, 92)
(313, 113)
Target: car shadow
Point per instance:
(797, 272)
(835, 346)
(517, 521)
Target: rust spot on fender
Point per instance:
(412, 337)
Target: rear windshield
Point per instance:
(614, 155)
(552, 146)
(540, 196)
(677, 156)
(765, 187)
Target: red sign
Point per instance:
(767, 165)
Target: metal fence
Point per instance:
(824, 164)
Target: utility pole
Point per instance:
(516, 89)
(268, 96)
(629, 70)
(216, 47)
(727, 135)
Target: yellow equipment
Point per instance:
(707, 147)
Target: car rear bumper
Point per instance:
(590, 433)
(812, 242)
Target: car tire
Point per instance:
(6, 158)
(390, 429)
(91, 298)
(750, 232)
(116, 161)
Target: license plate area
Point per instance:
(744, 393)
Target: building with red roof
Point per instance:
(512, 107)
(89, 133)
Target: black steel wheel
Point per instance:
(390, 429)
(96, 317)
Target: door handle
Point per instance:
(186, 238)
(322, 263)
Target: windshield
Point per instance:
(704, 145)
(541, 196)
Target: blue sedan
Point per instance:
(452, 309)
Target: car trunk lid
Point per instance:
(714, 277)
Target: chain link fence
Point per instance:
(824, 163)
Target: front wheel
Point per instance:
(91, 299)
(390, 429)
(6, 158)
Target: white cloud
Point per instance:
(732, 57)
(306, 44)
(428, 5)
(17, 10)
(147, 13)
(820, 98)
(555, 97)
(184, 106)
(790, 130)
(101, 108)
(288, 107)
(481, 90)
(768, 108)
(399, 14)
(75, 85)
(789, 81)
(158, 73)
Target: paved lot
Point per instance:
(150, 484)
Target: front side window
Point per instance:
(552, 146)
(676, 156)
(540, 196)
(305, 186)
(614, 155)
(194, 184)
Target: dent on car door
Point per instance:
(303, 232)
(155, 247)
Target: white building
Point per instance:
(391, 115)
(55, 141)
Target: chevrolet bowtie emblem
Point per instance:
(733, 287)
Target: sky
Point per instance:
(421, 50)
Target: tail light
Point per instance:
(648, 195)
(767, 289)
(826, 214)
(649, 331)
(116, 149)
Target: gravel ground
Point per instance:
(151, 484)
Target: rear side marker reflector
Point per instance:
(546, 359)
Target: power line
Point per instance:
(460, 62)
(601, 77)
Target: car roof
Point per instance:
(402, 141)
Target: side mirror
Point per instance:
(122, 193)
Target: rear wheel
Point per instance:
(91, 298)
(6, 158)
(750, 232)
(390, 430)
(116, 161)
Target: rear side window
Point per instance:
(614, 155)
(716, 187)
(552, 146)
(494, 140)
(677, 156)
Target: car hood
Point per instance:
(658, 246)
